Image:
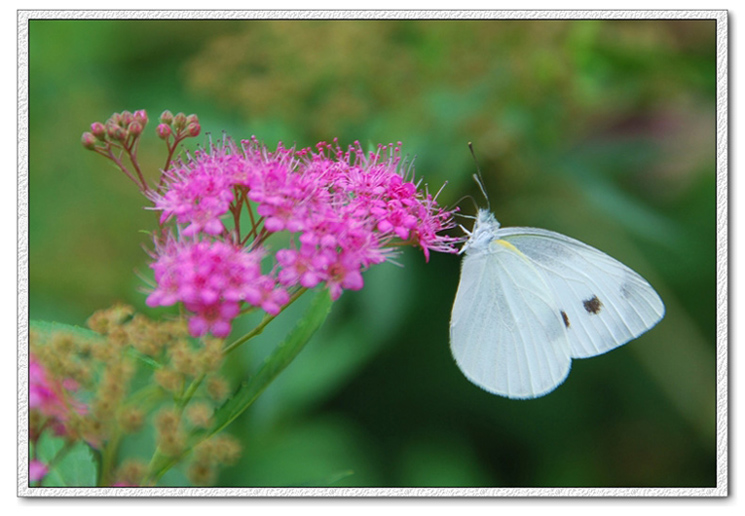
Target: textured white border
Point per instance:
(721, 18)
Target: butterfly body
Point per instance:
(531, 300)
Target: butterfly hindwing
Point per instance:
(507, 334)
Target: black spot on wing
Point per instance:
(592, 305)
(565, 317)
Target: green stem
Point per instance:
(260, 328)
(186, 397)
(108, 459)
(161, 463)
(147, 398)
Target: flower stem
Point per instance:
(260, 327)
(161, 463)
(108, 459)
(193, 386)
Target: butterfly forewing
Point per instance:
(602, 303)
(507, 334)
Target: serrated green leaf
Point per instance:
(275, 363)
(46, 328)
(72, 467)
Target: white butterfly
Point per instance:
(531, 300)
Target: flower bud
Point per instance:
(193, 129)
(131, 472)
(111, 129)
(88, 141)
(120, 134)
(201, 474)
(226, 449)
(140, 116)
(192, 119)
(217, 388)
(135, 129)
(164, 131)
(98, 130)
(127, 118)
(131, 419)
(166, 117)
(168, 379)
(179, 121)
(200, 415)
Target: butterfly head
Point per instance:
(484, 231)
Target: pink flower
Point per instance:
(345, 273)
(200, 190)
(215, 318)
(37, 470)
(343, 211)
(299, 269)
(41, 393)
(209, 277)
(267, 295)
(51, 397)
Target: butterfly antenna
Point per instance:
(477, 176)
(475, 205)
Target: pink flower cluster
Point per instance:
(343, 209)
(212, 278)
(53, 400)
(50, 397)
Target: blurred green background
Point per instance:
(601, 130)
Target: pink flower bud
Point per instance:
(193, 129)
(192, 119)
(140, 117)
(127, 118)
(111, 127)
(135, 129)
(164, 131)
(98, 130)
(166, 117)
(118, 134)
(88, 140)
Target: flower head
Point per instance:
(344, 211)
(210, 277)
(51, 397)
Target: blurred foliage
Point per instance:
(601, 130)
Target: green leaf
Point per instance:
(45, 328)
(275, 363)
(329, 480)
(72, 466)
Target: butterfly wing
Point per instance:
(603, 303)
(506, 332)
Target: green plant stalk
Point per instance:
(108, 459)
(160, 463)
(193, 386)
(260, 327)
(281, 357)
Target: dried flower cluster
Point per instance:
(98, 367)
